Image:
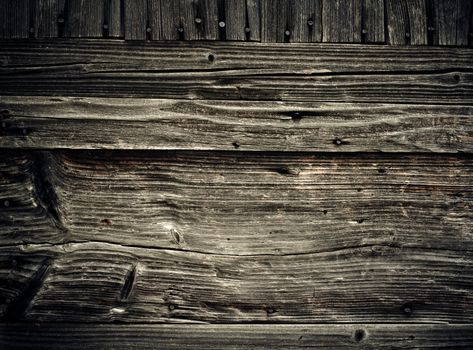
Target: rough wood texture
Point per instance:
(91, 123)
(242, 20)
(373, 24)
(341, 21)
(308, 72)
(450, 22)
(15, 19)
(115, 19)
(50, 18)
(86, 18)
(383, 336)
(236, 237)
(407, 22)
(136, 19)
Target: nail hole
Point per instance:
(270, 311)
(6, 203)
(288, 171)
(359, 335)
(360, 221)
(171, 307)
(107, 222)
(358, 190)
(456, 77)
(381, 171)
(325, 212)
(236, 144)
(407, 309)
(211, 58)
(337, 142)
(296, 116)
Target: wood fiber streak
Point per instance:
(15, 19)
(450, 22)
(238, 71)
(97, 123)
(182, 337)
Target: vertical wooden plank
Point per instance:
(269, 20)
(15, 17)
(373, 21)
(85, 18)
(199, 19)
(172, 27)
(115, 19)
(449, 22)
(253, 10)
(236, 19)
(136, 18)
(306, 25)
(341, 21)
(155, 19)
(406, 22)
(50, 18)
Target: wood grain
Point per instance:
(256, 336)
(85, 18)
(15, 19)
(243, 20)
(341, 21)
(50, 18)
(238, 203)
(238, 71)
(406, 22)
(98, 123)
(450, 22)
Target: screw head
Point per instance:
(247, 30)
(310, 22)
(287, 33)
(408, 35)
(198, 20)
(221, 24)
(148, 30)
(180, 30)
(60, 19)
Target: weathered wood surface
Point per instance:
(190, 237)
(411, 22)
(383, 336)
(98, 123)
(238, 71)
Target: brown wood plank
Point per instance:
(44, 122)
(341, 21)
(50, 18)
(86, 18)
(407, 22)
(15, 19)
(257, 336)
(337, 73)
(373, 21)
(136, 19)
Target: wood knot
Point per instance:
(289, 171)
(106, 222)
(359, 335)
(270, 311)
(211, 58)
(236, 144)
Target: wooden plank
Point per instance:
(407, 22)
(373, 21)
(292, 21)
(255, 336)
(101, 282)
(341, 21)
(155, 20)
(86, 18)
(15, 19)
(238, 203)
(200, 19)
(136, 19)
(50, 18)
(172, 24)
(338, 73)
(243, 20)
(450, 22)
(44, 122)
(115, 18)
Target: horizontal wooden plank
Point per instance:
(113, 123)
(237, 203)
(307, 72)
(82, 336)
(103, 282)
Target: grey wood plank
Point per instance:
(115, 18)
(450, 22)
(172, 25)
(243, 20)
(238, 203)
(155, 18)
(247, 71)
(86, 18)
(407, 22)
(256, 336)
(373, 21)
(341, 21)
(84, 282)
(136, 19)
(200, 19)
(44, 122)
(50, 18)
(15, 19)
